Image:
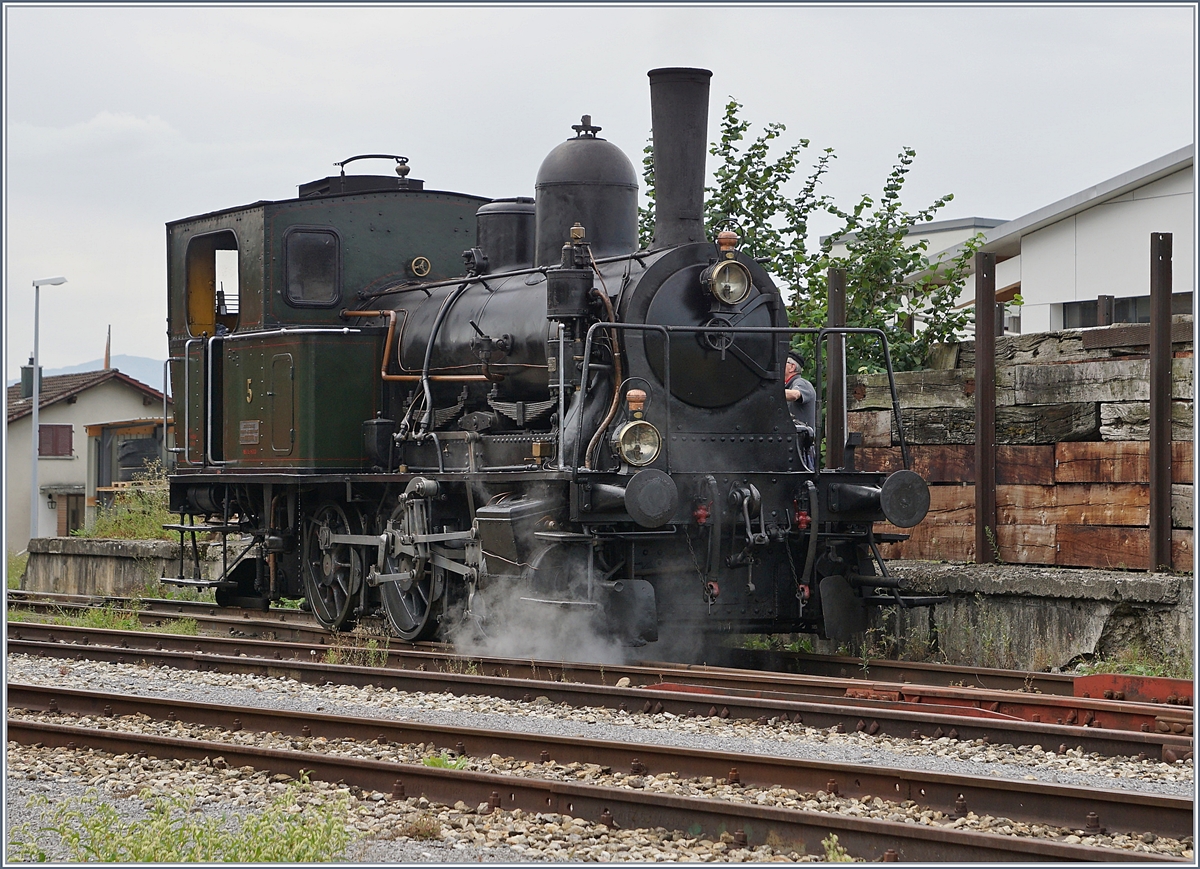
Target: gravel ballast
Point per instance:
(467, 835)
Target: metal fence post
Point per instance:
(1160, 400)
(986, 544)
(835, 395)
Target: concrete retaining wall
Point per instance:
(82, 565)
(1016, 616)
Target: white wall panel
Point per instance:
(1048, 264)
(1113, 245)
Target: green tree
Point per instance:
(750, 195)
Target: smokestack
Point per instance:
(679, 119)
(107, 349)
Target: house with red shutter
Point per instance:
(67, 405)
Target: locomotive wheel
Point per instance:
(413, 607)
(332, 576)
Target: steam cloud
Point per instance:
(515, 628)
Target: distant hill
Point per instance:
(148, 371)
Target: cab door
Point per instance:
(282, 404)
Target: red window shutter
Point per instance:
(54, 440)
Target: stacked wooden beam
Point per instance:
(1073, 476)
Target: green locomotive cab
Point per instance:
(267, 372)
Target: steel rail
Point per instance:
(869, 838)
(976, 703)
(874, 717)
(1146, 689)
(1031, 802)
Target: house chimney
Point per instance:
(27, 379)
(679, 119)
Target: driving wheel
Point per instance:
(413, 605)
(332, 571)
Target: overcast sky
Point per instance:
(118, 120)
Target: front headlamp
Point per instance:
(728, 280)
(637, 443)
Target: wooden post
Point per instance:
(835, 395)
(1160, 400)
(985, 408)
(1104, 310)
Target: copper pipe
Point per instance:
(387, 356)
(617, 378)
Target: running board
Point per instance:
(197, 583)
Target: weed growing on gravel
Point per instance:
(290, 830)
(423, 826)
(445, 761)
(357, 650)
(108, 618)
(1137, 660)
(834, 852)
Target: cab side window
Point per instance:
(312, 267)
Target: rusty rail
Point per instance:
(627, 808)
(1032, 802)
(850, 714)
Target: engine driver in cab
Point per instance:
(802, 402)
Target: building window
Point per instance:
(312, 268)
(1131, 309)
(54, 440)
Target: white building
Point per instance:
(1064, 256)
(68, 403)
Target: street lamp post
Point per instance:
(34, 501)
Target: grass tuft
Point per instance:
(445, 761)
(1137, 660)
(834, 851)
(15, 568)
(295, 828)
(107, 618)
(422, 827)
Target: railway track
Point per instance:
(1030, 802)
(298, 626)
(752, 823)
(877, 713)
(999, 692)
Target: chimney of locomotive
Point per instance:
(679, 119)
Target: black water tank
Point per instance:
(505, 230)
(590, 181)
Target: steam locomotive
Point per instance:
(455, 412)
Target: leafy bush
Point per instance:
(137, 512)
(91, 829)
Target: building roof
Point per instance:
(935, 226)
(1005, 240)
(61, 387)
